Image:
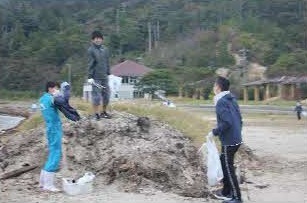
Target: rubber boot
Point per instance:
(49, 182)
(41, 179)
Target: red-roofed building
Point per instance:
(130, 72)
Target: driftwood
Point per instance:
(17, 172)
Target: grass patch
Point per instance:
(32, 122)
(80, 105)
(193, 126)
(18, 95)
(185, 100)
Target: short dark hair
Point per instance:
(97, 34)
(223, 83)
(50, 84)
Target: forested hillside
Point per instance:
(41, 40)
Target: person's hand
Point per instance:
(91, 81)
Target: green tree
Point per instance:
(158, 80)
(290, 64)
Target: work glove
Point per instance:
(90, 81)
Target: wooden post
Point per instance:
(256, 93)
(194, 93)
(201, 93)
(267, 91)
(180, 92)
(292, 91)
(280, 90)
(245, 94)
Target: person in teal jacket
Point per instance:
(54, 137)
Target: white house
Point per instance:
(130, 72)
(122, 80)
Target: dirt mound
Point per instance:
(131, 152)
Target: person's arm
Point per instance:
(239, 112)
(224, 123)
(91, 63)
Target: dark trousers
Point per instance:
(231, 185)
(299, 115)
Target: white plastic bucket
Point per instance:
(71, 187)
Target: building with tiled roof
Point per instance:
(285, 87)
(130, 69)
(130, 72)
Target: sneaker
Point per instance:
(105, 115)
(219, 195)
(233, 201)
(97, 116)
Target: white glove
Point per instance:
(210, 134)
(91, 81)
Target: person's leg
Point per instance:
(105, 101)
(54, 137)
(95, 108)
(229, 152)
(226, 184)
(96, 98)
(225, 192)
(299, 115)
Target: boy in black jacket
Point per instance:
(229, 125)
(98, 72)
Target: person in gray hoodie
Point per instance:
(229, 126)
(98, 72)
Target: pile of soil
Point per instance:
(130, 152)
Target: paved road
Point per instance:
(246, 108)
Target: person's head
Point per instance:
(221, 84)
(97, 37)
(51, 87)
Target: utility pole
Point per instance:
(158, 30)
(149, 37)
(69, 73)
(304, 8)
(241, 7)
(117, 22)
(156, 33)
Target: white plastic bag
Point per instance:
(214, 167)
(88, 177)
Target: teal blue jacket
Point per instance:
(53, 130)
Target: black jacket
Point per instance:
(68, 111)
(98, 59)
(61, 101)
(229, 121)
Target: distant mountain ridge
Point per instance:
(39, 40)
